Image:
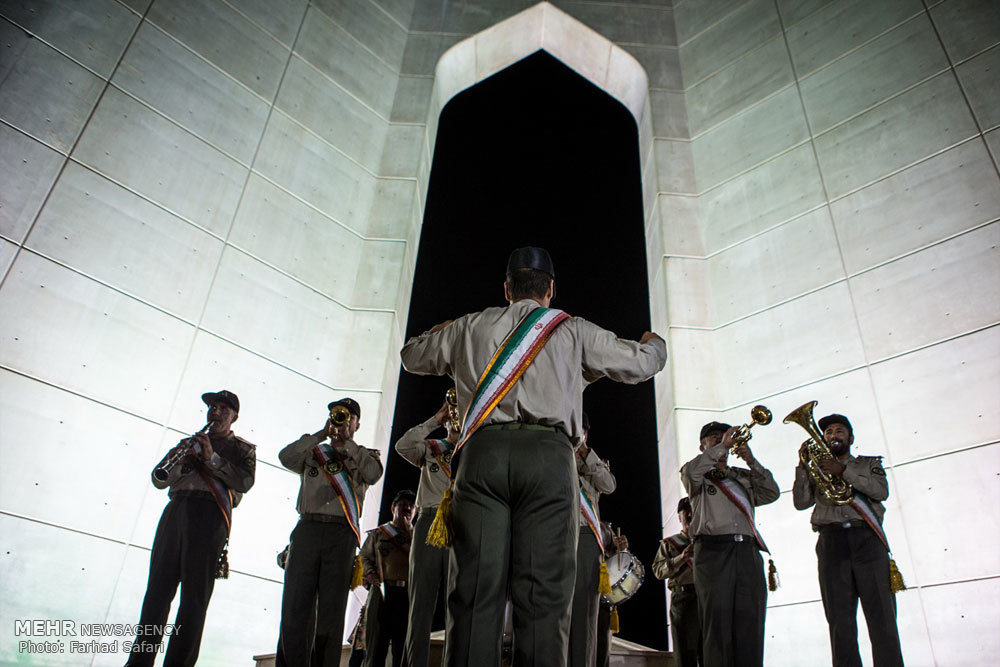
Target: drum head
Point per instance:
(625, 574)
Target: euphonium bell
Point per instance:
(832, 487)
(759, 414)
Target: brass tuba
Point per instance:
(832, 487)
(759, 414)
(451, 397)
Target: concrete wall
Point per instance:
(227, 193)
(838, 241)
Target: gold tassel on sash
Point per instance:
(604, 580)
(773, 581)
(895, 578)
(358, 573)
(614, 625)
(439, 534)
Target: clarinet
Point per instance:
(163, 472)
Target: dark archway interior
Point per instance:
(537, 155)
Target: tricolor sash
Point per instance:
(737, 495)
(441, 450)
(590, 515)
(516, 353)
(392, 532)
(336, 473)
(862, 506)
(680, 542)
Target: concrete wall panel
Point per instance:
(78, 334)
(91, 441)
(887, 65)
(92, 32)
(924, 394)
(332, 113)
(177, 83)
(694, 17)
(982, 86)
(761, 198)
(746, 81)
(930, 295)
(140, 149)
(228, 40)
(154, 256)
(944, 195)
(412, 100)
(627, 22)
(694, 366)
(967, 27)
(280, 230)
(749, 138)
(336, 53)
(662, 65)
(670, 117)
(841, 26)
(749, 26)
(371, 26)
(315, 172)
(280, 19)
(28, 170)
(965, 607)
(44, 93)
(673, 160)
(920, 122)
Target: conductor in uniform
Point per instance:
(853, 553)
(207, 475)
(520, 371)
(728, 569)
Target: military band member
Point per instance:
(852, 552)
(385, 556)
(728, 569)
(428, 565)
(675, 562)
(595, 478)
(516, 497)
(333, 480)
(207, 475)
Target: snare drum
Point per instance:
(625, 573)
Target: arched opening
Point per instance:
(538, 155)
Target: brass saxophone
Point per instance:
(832, 487)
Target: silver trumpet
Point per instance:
(163, 472)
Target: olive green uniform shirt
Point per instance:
(669, 564)
(714, 513)
(550, 391)
(233, 462)
(413, 447)
(316, 496)
(863, 473)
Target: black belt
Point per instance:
(515, 426)
(398, 583)
(843, 525)
(735, 537)
(682, 588)
(323, 518)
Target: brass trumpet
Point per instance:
(451, 397)
(339, 415)
(831, 487)
(759, 414)
(163, 471)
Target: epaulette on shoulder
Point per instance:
(245, 442)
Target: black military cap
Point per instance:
(405, 494)
(836, 419)
(349, 403)
(684, 505)
(713, 427)
(224, 396)
(531, 258)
